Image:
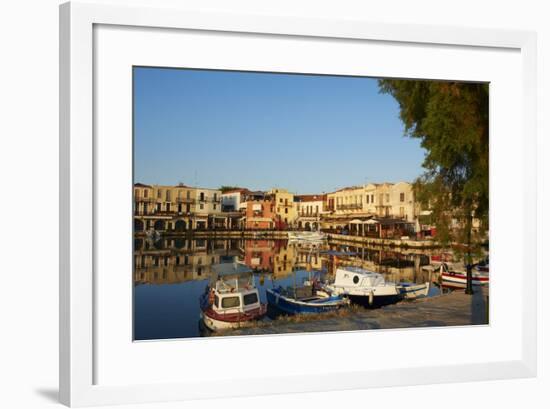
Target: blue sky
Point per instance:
(306, 133)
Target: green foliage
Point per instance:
(228, 188)
(452, 121)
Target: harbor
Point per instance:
(179, 280)
(453, 308)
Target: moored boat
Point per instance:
(453, 275)
(370, 289)
(306, 236)
(304, 300)
(231, 303)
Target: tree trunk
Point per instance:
(469, 289)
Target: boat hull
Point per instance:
(462, 278)
(290, 306)
(377, 301)
(216, 322)
(413, 291)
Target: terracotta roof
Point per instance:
(140, 185)
(310, 198)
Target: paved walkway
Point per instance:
(452, 309)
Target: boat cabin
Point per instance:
(357, 277)
(234, 296)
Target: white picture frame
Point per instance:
(78, 291)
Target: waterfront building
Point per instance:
(285, 209)
(260, 211)
(360, 203)
(310, 209)
(234, 200)
(177, 208)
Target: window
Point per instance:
(368, 197)
(168, 196)
(387, 197)
(214, 206)
(145, 192)
(167, 207)
(158, 207)
(286, 209)
(159, 194)
(201, 197)
(401, 197)
(201, 206)
(372, 198)
(230, 302)
(251, 298)
(189, 194)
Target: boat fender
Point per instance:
(371, 298)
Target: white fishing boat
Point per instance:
(231, 302)
(308, 236)
(370, 289)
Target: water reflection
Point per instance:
(171, 273)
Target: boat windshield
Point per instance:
(231, 302)
(251, 298)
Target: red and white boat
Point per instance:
(451, 275)
(231, 303)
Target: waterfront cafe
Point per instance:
(384, 228)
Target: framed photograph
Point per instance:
(255, 204)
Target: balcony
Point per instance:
(185, 200)
(351, 206)
(209, 200)
(144, 199)
(305, 214)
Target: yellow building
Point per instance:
(393, 200)
(285, 208)
(177, 208)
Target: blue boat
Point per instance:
(290, 301)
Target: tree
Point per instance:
(228, 188)
(452, 121)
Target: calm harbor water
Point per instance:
(171, 274)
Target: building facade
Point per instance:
(234, 200)
(285, 209)
(387, 200)
(310, 209)
(260, 212)
(177, 208)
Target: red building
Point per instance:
(260, 213)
